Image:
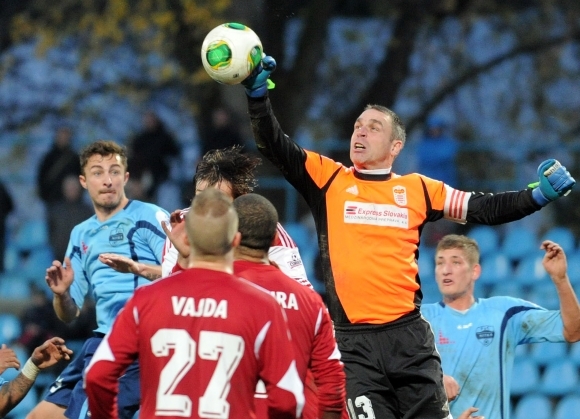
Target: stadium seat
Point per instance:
(546, 352)
(530, 270)
(507, 288)
(568, 407)
(544, 294)
(574, 353)
(563, 236)
(495, 268)
(560, 378)
(526, 377)
(32, 234)
(426, 267)
(14, 286)
(536, 406)
(430, 290)
(487, 238)
(519, 242)
(35, 264)
(573, 260)
(10, 328)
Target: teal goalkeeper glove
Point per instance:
(554, 181)
(258, 83)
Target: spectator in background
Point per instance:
(6, 207)
(58, 163)
(150, 151)
(437, 151)
(65, 213)
(222, 133)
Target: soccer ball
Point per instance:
(230, 52)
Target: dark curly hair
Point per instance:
(230, 165)
(104, 148)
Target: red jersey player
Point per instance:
(234, 173)
(308, 320)
(203, 336)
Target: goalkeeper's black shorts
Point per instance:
(392, 370)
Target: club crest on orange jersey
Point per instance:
(400, 195)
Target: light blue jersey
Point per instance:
(478, 347)
(134, 232)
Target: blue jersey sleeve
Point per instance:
(535, 324)
(80, 286)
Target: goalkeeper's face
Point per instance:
(371, 146)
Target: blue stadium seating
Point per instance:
(560, 378)
(546, 352)
(545, 295)
(32, 234)
(573, 260)
(487, 238)
(507, 288)
(530, 270)
(574, 353)
(10, 328)
(563, 236)
(533, 406)
(568, 407)
(519, 242)
(495, 268)
(14, 286)
(526, 376)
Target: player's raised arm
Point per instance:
(59, 278)
(556, 265)
(123, 264)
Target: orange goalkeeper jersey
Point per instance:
(369, 226)
(372, 236)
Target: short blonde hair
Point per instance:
(456, 241)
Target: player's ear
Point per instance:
(126, 178)
(237, 239)
(83, 181)
(396, 147)
(476, 271)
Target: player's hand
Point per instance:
(554, 181)
(554, 261)
(8, 359)
(58, 277)
(451, 387)
(256, 84)
(120, 263)
(467, 414)
(50, 352)
(177, 236)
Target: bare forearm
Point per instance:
(569, 309)
(13, 392)
(150, 272)
(65, 307)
